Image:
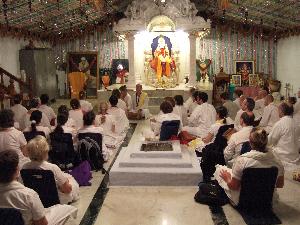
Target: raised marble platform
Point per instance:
(133, 167)
(157, 95)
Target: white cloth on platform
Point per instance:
(44, 121)
(284, 141)
(46, 130)
(252, 159)
(85, 106)
(19, 115)
(48, 111)
(77, 117)
(269, 117)
(16, 195)
(60, 178)
(181, 111)
(98, 130)
(156, 126)
(232, 108)
(120, 119)
(233, 149)
(202, 118)
(13, 139)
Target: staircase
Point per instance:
(7, 92)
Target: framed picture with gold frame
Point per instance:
(236, 79)
(85, 63)
(253, 80)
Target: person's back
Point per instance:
(119, 116)
(270, 115)
(232, 108)
(19, 111)
(76, 113)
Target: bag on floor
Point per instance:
(211, 194)
(90, 150)
(82, 173)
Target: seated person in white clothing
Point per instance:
(89, 127)
(118, 115)
(180, 110)
(76, 113)
(19, 111)
(237, 94)
(237, 139)
(38, 149)
(63, 109)
(231, 107)
(270, 114)
(44, 108)
(61, 127)
(190, 104)
(260, 102)
(11, 138)
(246, 106)
(86, 106)
(34, 104)
(15, 195)
(203, 116)
(126, 97)
(35, 118)
(121, 104)
(167, 115)
(259, 157)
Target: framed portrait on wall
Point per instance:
(253, 80)
(245, 68)
(83, 72)
(236, 79)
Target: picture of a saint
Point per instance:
(84, 67)
(245, 68)
(162, 62)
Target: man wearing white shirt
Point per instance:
(34, 103)
(121, 104)
(260, 102)
(47, 110)
(270, 114)
(126, 97)
(247, 106)
(203, 116)
(15, 195)
(85, 105)
(189, 104)
(19, 111)
(238, 93)
(283, 136)
(231, 107)
(237, 139)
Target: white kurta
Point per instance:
(13, 139)
(48, 111)
(16, 195)
(77, 117)
(19, 115)
(190, 105)
(259, 107)
(232, 108)
(269, 117)
(122, 105)
(60, 178)
(237, 102)
(86, 106)
(237, 120)
(201, 120)
(235, 143)
(252, 159)
(164, 117)
(181, 111)
(44, 121)
(120, 119)
(128, 101)
(284, 141)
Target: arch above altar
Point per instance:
(150, 21)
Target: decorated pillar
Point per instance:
(192, 76)
(131, 77)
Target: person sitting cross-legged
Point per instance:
(34, 104)
(15, 195)
(76, 113)
(270, 114)
(38, 149)
(259, 157)
(44, 108)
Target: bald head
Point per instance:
(268, 100)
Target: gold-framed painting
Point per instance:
(85, 66)
(253, 80)
(236, 79)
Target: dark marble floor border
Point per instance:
(94, 208)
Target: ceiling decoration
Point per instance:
(61, 20)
